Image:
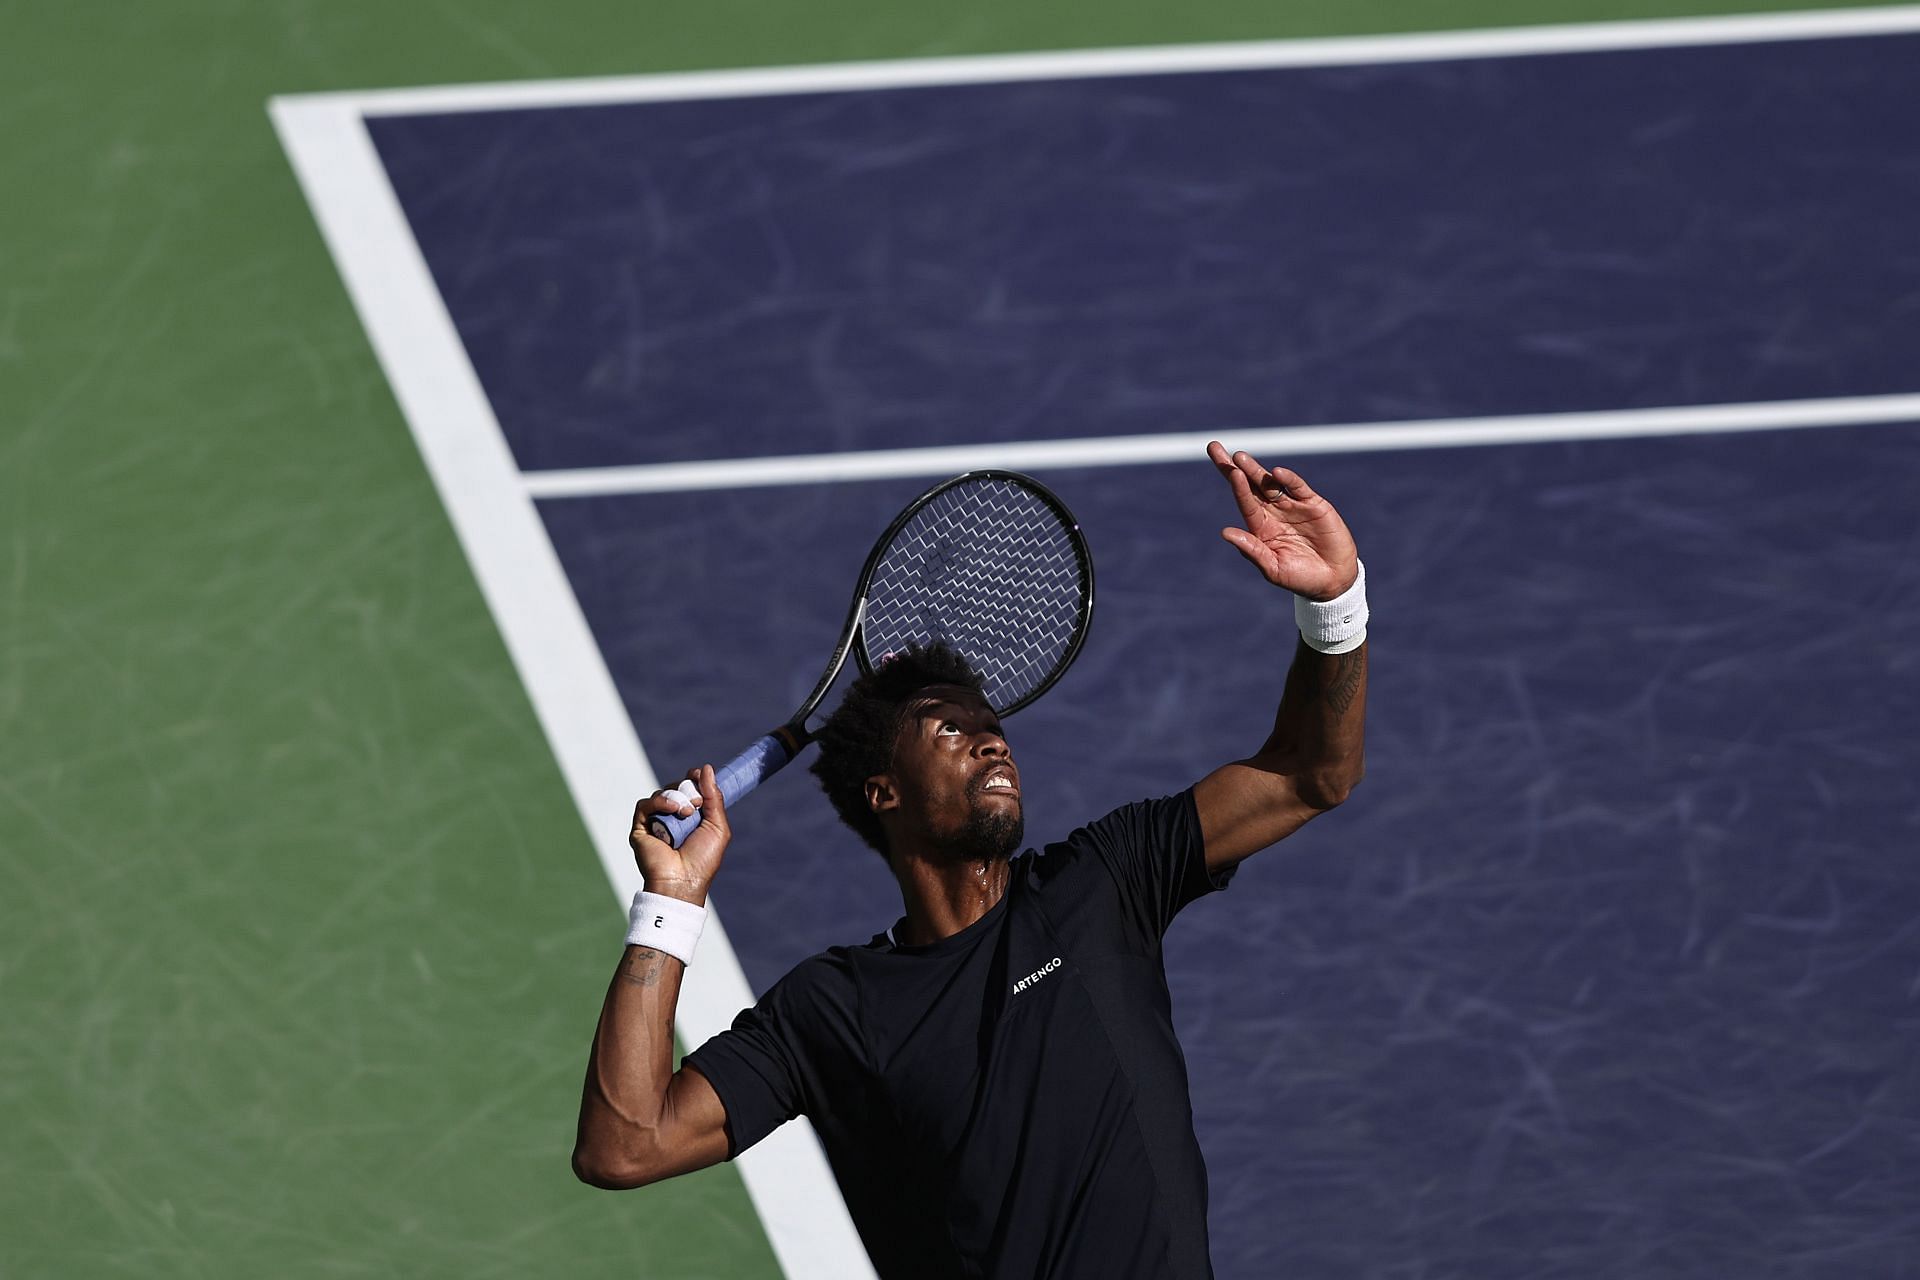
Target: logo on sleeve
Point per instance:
(1036, 975)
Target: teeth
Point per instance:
(999, 781)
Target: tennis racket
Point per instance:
(992, 563)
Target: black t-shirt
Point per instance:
(1010, 1101)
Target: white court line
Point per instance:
(491, 505)
(787, 1176)
(1274, 442)
(1507, 42)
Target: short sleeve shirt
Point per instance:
(1009, 1101)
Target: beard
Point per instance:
(992, 832)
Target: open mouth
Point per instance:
(1000, 780)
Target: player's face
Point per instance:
(958, 782)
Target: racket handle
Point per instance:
(736, 777)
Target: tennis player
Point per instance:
(995, 1078)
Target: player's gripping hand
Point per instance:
(1292, 534)
(687, 871)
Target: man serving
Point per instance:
(995, 1078)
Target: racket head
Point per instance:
(993, 564)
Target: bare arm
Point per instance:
(1314, 756)
(1308, 764)
(640, 1120)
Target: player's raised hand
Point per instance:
(687, 871)
(1292, 534)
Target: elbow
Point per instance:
(1329, 788)
(612, 1170)
(610, 1175)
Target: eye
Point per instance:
(948, 726)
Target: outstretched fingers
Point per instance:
(1289, 484)
(1261, 491)
(1238, 464)
(1241, 479)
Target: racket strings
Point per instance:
(993, 570)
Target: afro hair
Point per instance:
(857, 740)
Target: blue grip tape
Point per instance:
(736, 778)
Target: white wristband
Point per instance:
(1338, 625)
(665, 924)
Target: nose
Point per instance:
(991, 744)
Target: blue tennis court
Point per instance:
(1613, 965)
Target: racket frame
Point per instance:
(793, 736)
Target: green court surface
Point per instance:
(301, 940)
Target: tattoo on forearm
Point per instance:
(1346, 675)
(643, 966)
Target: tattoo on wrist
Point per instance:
(643, 966)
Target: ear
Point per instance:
(883, 793)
